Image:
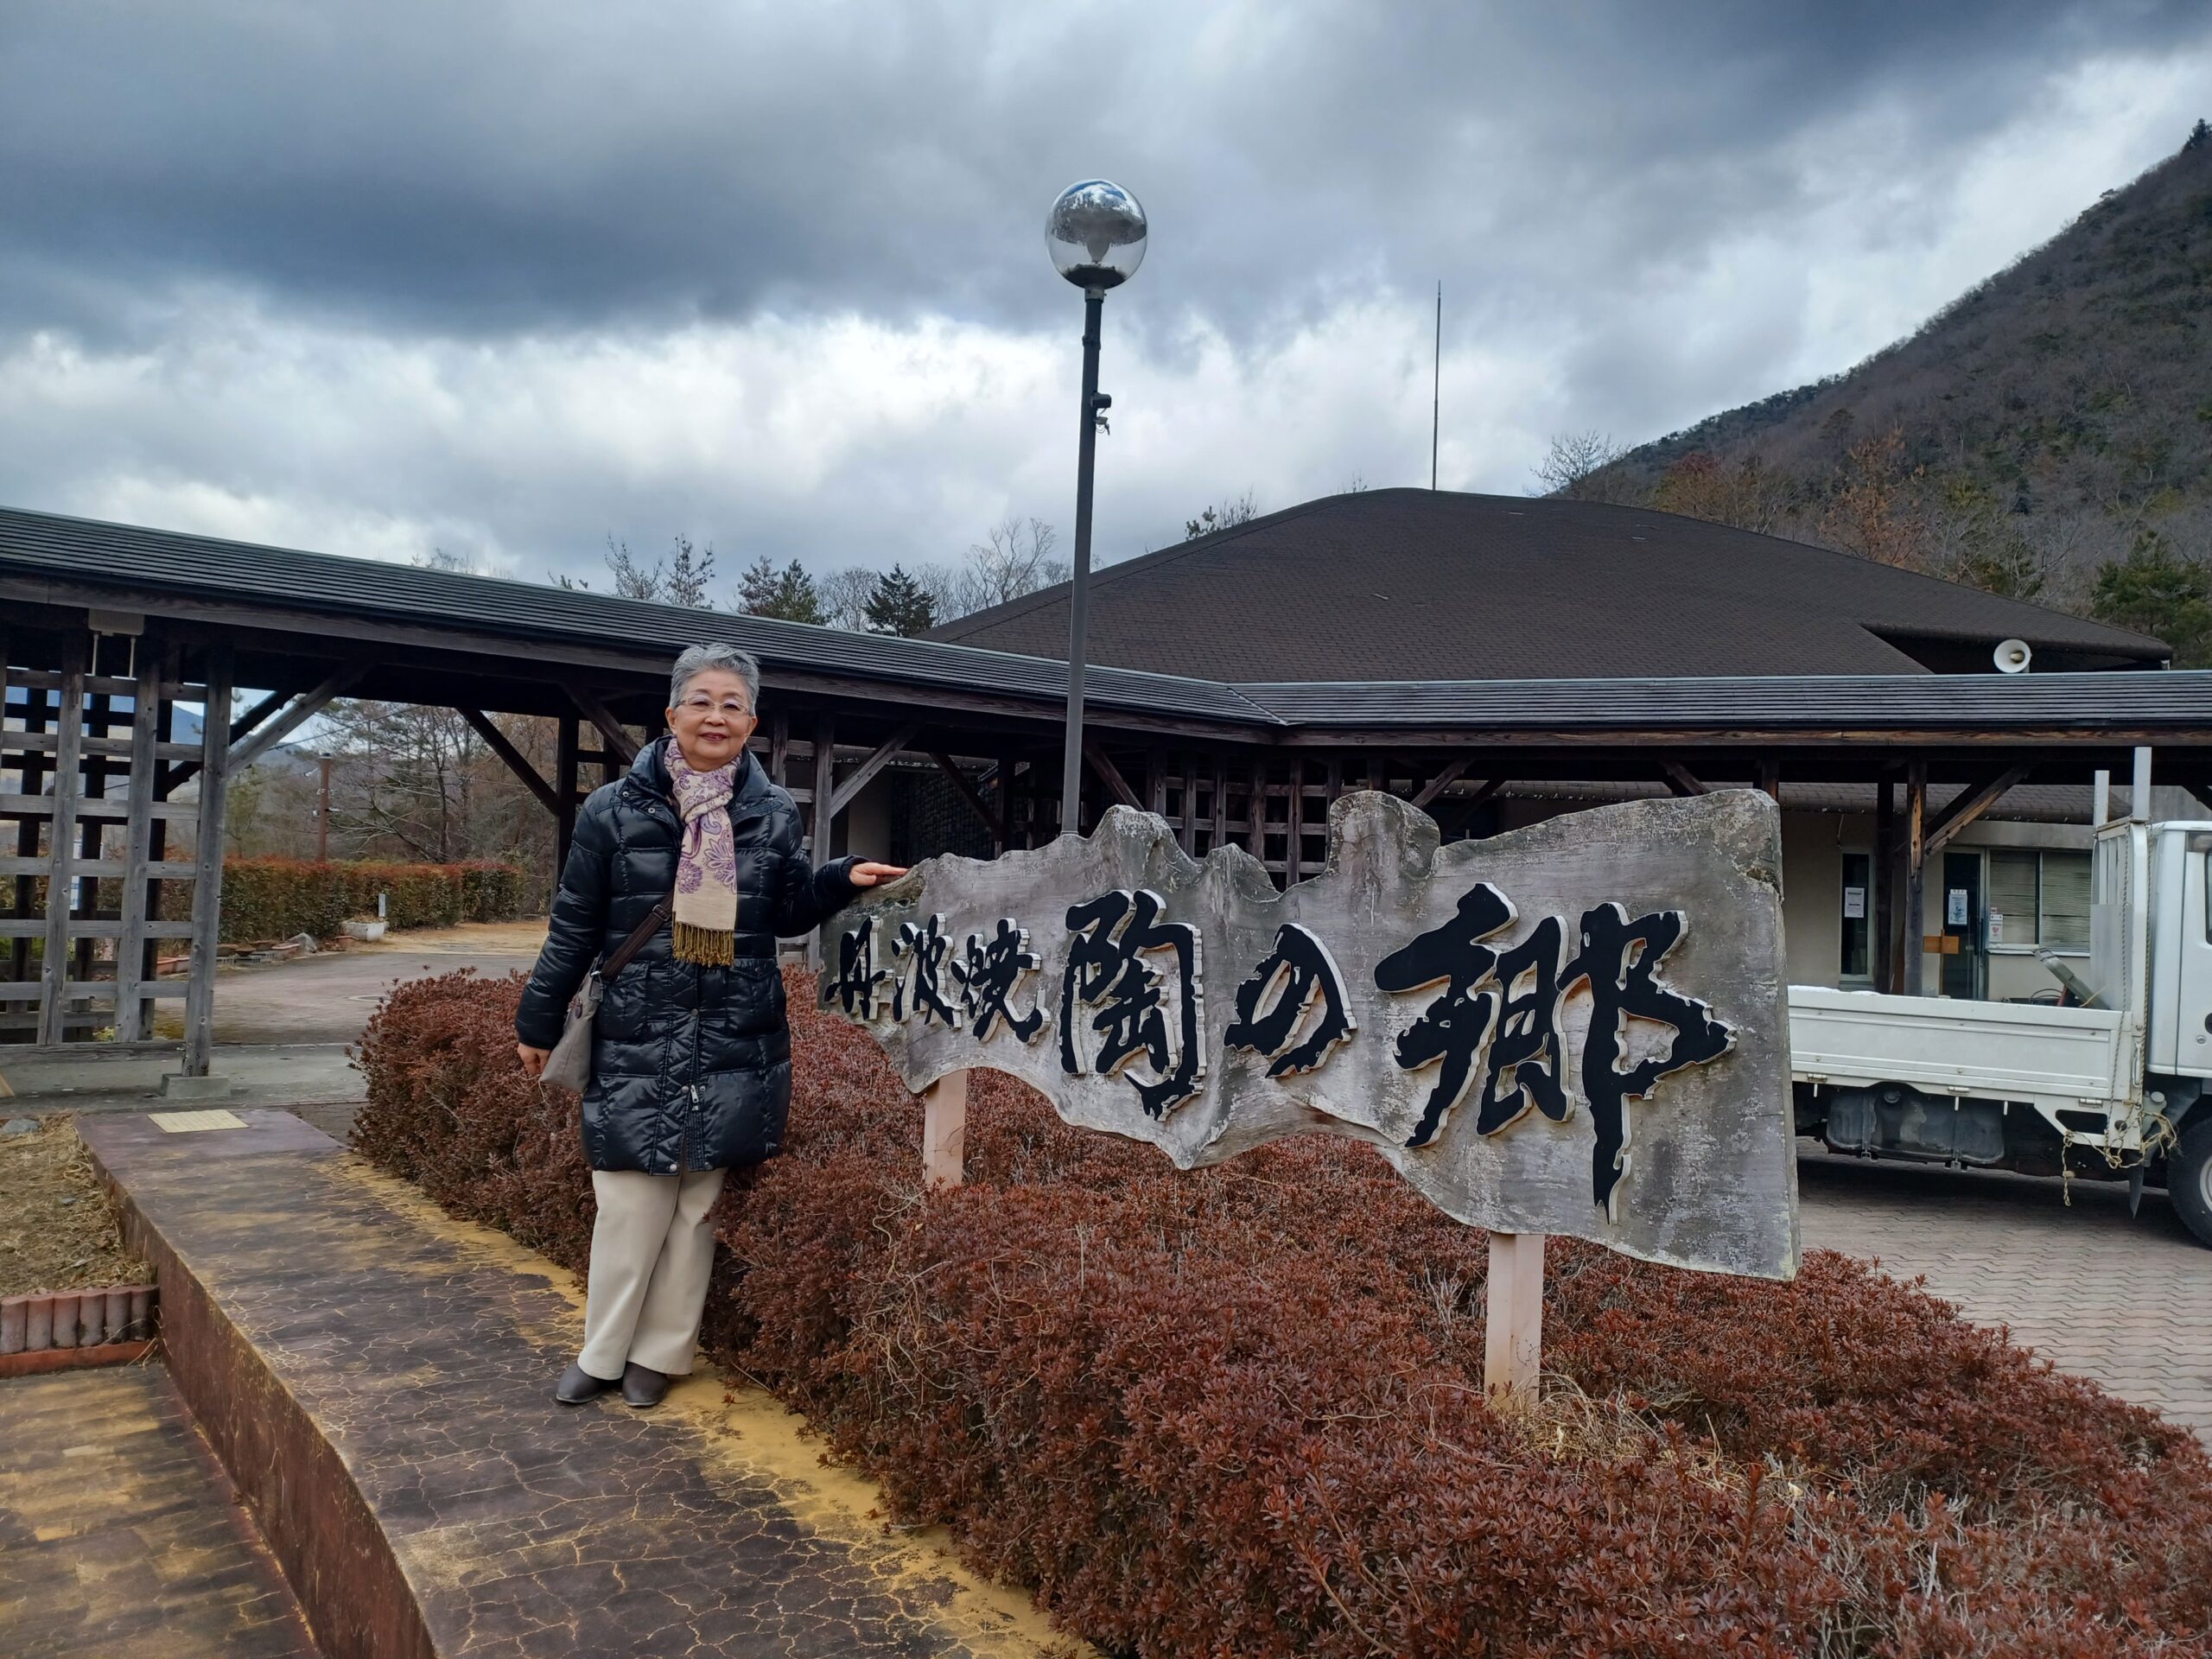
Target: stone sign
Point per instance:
(1578, 1027)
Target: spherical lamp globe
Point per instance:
(1095, 233)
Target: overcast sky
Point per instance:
(507, 279)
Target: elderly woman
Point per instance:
(690, 1064)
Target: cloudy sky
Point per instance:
(507, 279)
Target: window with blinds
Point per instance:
(2015, 894)
(2066, 901)
(2044, 898)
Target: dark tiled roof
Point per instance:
(2024, 804)
(1421, 585)
(203, 566)
(134, 568)
(1729, 702)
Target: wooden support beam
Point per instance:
(822, 804)
(1110, 775)
(31, 770)
(1513, 1321)
(842, 797)
(138, 843)
(245, 754)
(1884, 965)
(515, 760)
(1969, 806)
(1451, 772)
(253, 718)
(1007, 766)
(1915, 876)
(944, 1130)
(1681, 780)
(564, 791)
(1457, 810)
(178, 771)
(61, 837)
(823, 811)
(967, 792)
(1771, 777)
(208, 865)
(611, 733)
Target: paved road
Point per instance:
(281, 1028)
(328, 998)
(2125, 1300)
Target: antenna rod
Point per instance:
(1436, 388)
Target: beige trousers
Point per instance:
(650, 1251)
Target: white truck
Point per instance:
(2115, 1089)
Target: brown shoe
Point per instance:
(577, 1385)
(642, 1386)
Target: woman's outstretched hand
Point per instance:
(867, 875)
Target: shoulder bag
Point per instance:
(569, 1066)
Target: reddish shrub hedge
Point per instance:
(1238, 1410)
(275, 898)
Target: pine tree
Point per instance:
(788, 594)
(689, 573)
(2155, 591)
(631, 579)
(900, 606)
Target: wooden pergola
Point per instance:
(108, 629)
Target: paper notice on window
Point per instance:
(1955, 907)
(1855, 904)
(1997, 927)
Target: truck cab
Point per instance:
(2112, 1086)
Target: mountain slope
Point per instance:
(2048, 422)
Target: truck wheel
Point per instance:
(2189, 1177)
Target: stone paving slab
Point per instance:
(120, 1534)
(2126, 1301)
(380, 1378)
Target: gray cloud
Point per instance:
(490, 169)
(506, 279)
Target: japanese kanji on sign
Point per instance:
(1577, 1028)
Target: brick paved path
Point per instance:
(2125, 1300)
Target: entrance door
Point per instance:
(1965, 974)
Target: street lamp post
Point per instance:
(1095, 233)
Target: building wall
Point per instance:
(1813, 846)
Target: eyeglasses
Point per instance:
(701, 704)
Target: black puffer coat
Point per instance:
(691, 1066)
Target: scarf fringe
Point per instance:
(710, 947)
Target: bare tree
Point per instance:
(1014, 559)
(1576, 465)
(844, 596)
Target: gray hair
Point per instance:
(698, 659)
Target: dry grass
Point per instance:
(57, 1231)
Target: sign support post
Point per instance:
(1513, 1322)
(944, 1130)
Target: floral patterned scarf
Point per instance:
(706, 866)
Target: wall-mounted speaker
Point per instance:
(2012, 657)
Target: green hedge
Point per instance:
(275, 898)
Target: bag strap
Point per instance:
(621, 956)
